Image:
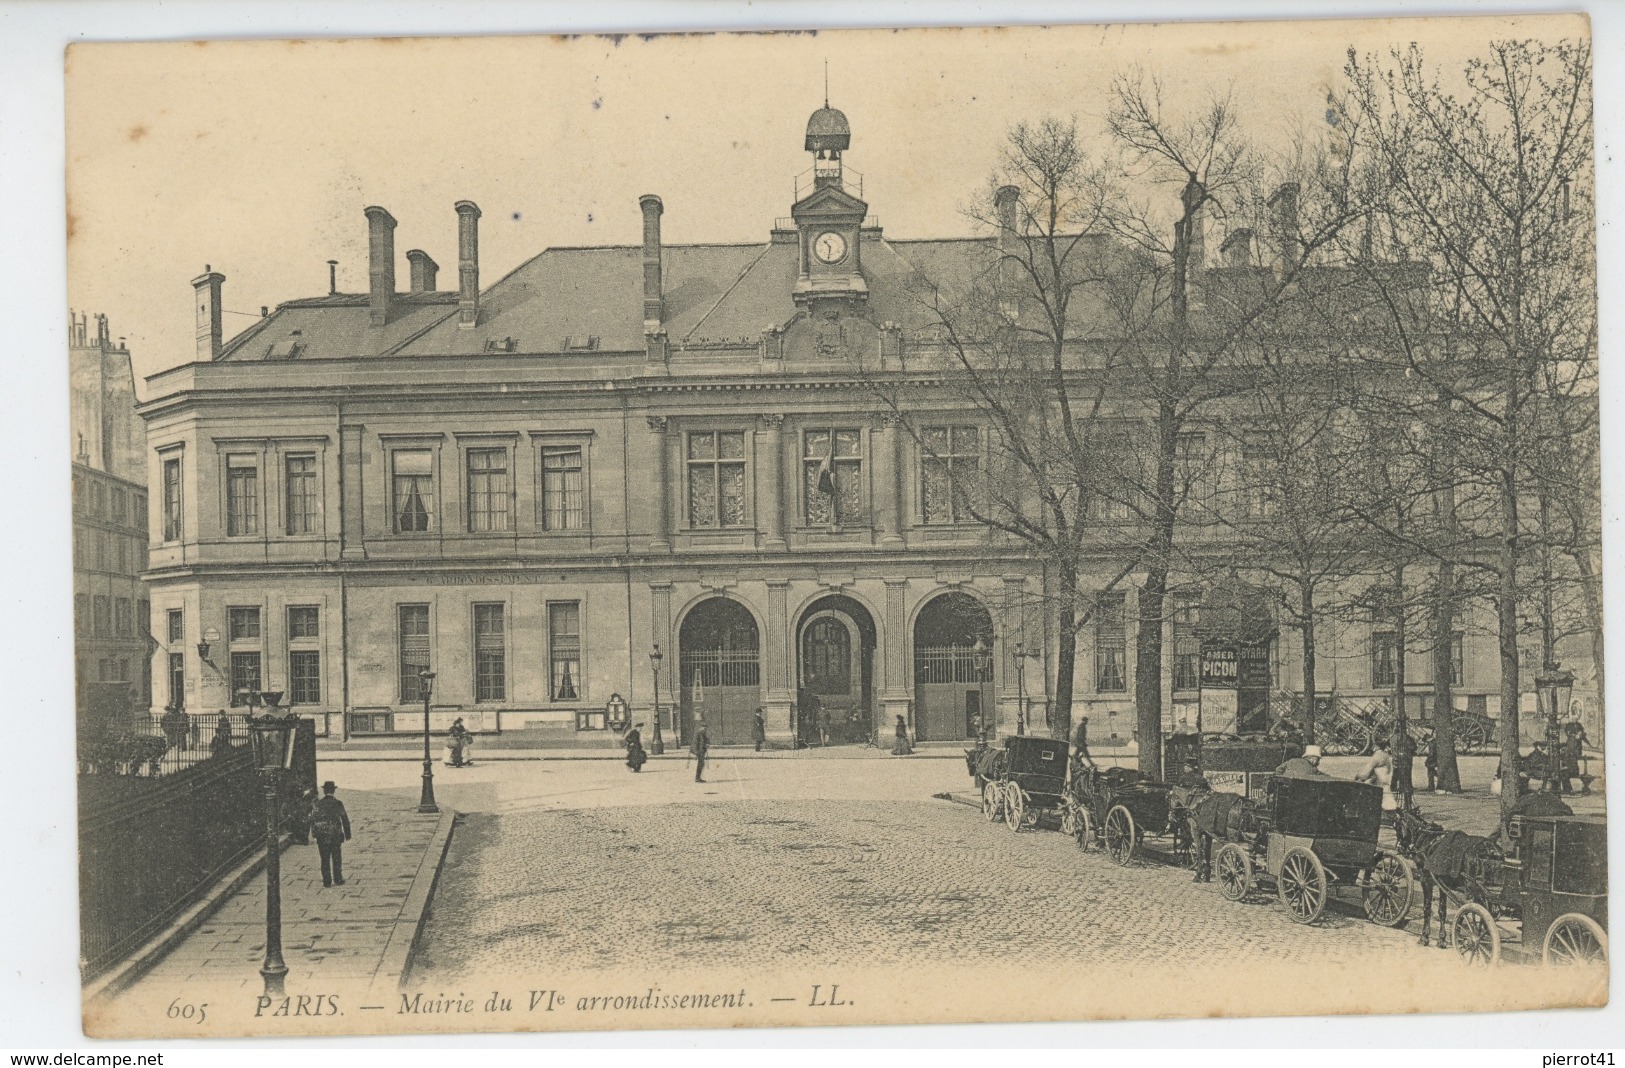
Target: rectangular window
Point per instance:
(177, 680)
(304, 621)
(1187, 644)
(716, 479)
(121, 562)
(1111, 644)
(300, 508)
(120, 499)
(304, 677)
(1382, 659)
(564, 649)
(98, 499)
(123, 620)
(413, 624)
(562, 507)
(950, 477)
(104, 553)
(487, 490)
(414, 490)
(832, 472)
(81, 613)
(140, 522)
(1258, 497)
(172, 500)
(242, 494)
(1458, 663)
(490, 653)
(143, 617)
(103, 624)
(177, 625)
(243, 624)
(245, 677)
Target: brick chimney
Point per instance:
(468, 264)
(1237, 249)
(381, 264)
(1283, 205)
(424, 270)
(1005, 200)
(654, 306)
(207, 287)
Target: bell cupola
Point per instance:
(829, 218)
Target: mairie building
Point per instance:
(529, 487)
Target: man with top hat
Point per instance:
(700, 747)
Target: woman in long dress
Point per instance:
(902, 746)
(635, 756)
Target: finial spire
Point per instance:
(826, 83)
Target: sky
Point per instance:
(256, 158)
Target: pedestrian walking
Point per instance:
(175, 726)
(1080, 743)
(700, 747)
(635, 756)
(760, 729)
(331, 826)
(458, 743)
(823, 726)
(299, 821)
(221, 744)
(902, 747)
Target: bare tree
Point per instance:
(1483, 182)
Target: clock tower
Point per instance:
(829, 220)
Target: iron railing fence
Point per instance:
(950, 663)
(154, 746)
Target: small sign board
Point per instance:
(617, 712)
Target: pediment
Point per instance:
(829, 201)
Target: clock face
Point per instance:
(830, 247)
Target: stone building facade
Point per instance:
(111, 649)
(528, 488)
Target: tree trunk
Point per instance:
(1398, 696)
(1306, 612)
(1153, 596)
(1591, 594)
(1506, 611)
(1444, 640)
(1066, 653)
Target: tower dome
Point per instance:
(827, 130)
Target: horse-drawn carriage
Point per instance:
(1116, 809)
(1552, 889)
(1022, 781)
(1305, 835)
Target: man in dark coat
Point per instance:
(331, 826)
(760, 730)
(700, 747)
(1401, 781)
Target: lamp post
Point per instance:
(1553, 683)
(1021, 686)
(658, 748)
(426, 801)
(272, 737)
(984, 662)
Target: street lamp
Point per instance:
(1553, 684)
(658, 748)
(273, 739)
(984, 663)
(1022, 653)
(426, 801)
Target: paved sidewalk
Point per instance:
(337, 751)
(350, 935)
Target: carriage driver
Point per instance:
(1304, 767)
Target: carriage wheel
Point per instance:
(992, 801)
(1471, 735)
(1575, 939)
(1015, 806)
(1301, 885)
(1120, 834)
(1234, 869)
(1069, 818)
(1388, 890)
(1088, 834)
(1475, 935)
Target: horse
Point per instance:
(1445, 860)
(1230, 817)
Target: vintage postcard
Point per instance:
(869, 527)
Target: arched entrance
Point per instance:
(719, 670)
(835, 660)
(953, 683)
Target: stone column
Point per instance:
(894, 696)
(660, 428)
(779, 694)
(352, 527)
(888, 511)
(770, 465)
